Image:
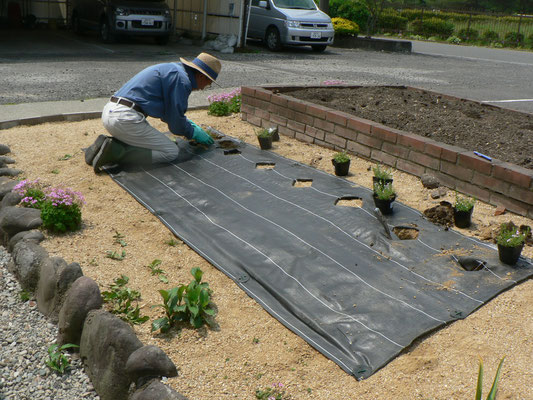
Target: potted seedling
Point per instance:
(265, 139)
(341, 162)
(384, 195)
(462, 210)
(510, 242)
(382, 176)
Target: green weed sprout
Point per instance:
(494, 388)
(188, 303)
(121, 299)
(57, 360)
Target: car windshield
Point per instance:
(299, 4)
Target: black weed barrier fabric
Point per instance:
(327, 272)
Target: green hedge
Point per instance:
(432, 27)
(391, 21)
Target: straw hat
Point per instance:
(205, 63)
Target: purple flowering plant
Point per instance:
(223, 104)
(60, 207)
(512, 236)
(32, 193)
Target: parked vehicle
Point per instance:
(123, 17)
(290, 22)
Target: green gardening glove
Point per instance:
(201, 137)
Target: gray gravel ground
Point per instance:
(25, 335)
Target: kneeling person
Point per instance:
(160, 91)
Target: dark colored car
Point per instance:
(112, 18)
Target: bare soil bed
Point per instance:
(251, 350)
(496, 132)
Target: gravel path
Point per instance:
(25, 335)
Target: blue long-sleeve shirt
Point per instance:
(162, 91)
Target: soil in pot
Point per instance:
(341, 168)
(462, 219)
(509, 255)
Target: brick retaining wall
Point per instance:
(495, 182)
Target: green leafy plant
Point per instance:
(65, 157)
(464, 203)
(115, 255)
(60, 207)
(119, 238)
(32, 192)
(121, 299)
(276, 392)
(189, 303)
(57, 360)
(264, 133)
(494, 388)
(172, 242)
(225, 103)
(384, 192)
(24, 295)
(341, 157)
(156, 271)
(345, 27)
(511, 236)
(381, 172)
(61, 210)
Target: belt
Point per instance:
(127, 103)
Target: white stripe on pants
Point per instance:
(131, 127)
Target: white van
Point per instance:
(290, 22)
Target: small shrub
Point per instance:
(391, 21)
(464, 203)
(513, 39)
(188, 303)
(511, 236)
(120, 299)
(454, 40)
(57, 360)
(61, 210)
(432, 27)
(490, 37)
(381, 172)
(32, 192)
(60, 207)
(341, 157)
(466, 34)
(225, 103)
(345, 27)
(384, 192)
(352, 10)
(264, 133)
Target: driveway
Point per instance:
(58, 65)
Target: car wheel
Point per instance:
(272, 39)
(76, 27)
(105, 32)
(319, 48)
(162, 40)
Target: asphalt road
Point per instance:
(58, 65)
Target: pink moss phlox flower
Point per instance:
(23, 186)
(224, 97)
(64, 196)
(333, 82)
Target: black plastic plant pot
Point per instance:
(509, 255)
(385, 206)
(275, 135)
(381, 182)
(341, 168)
(462, 219)
(265, 142)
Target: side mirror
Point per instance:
(263, 4)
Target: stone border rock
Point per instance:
(119, 365)
(495, 182)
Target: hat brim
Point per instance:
(197, 68)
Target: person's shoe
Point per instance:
(111, 152)
(91, 151)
